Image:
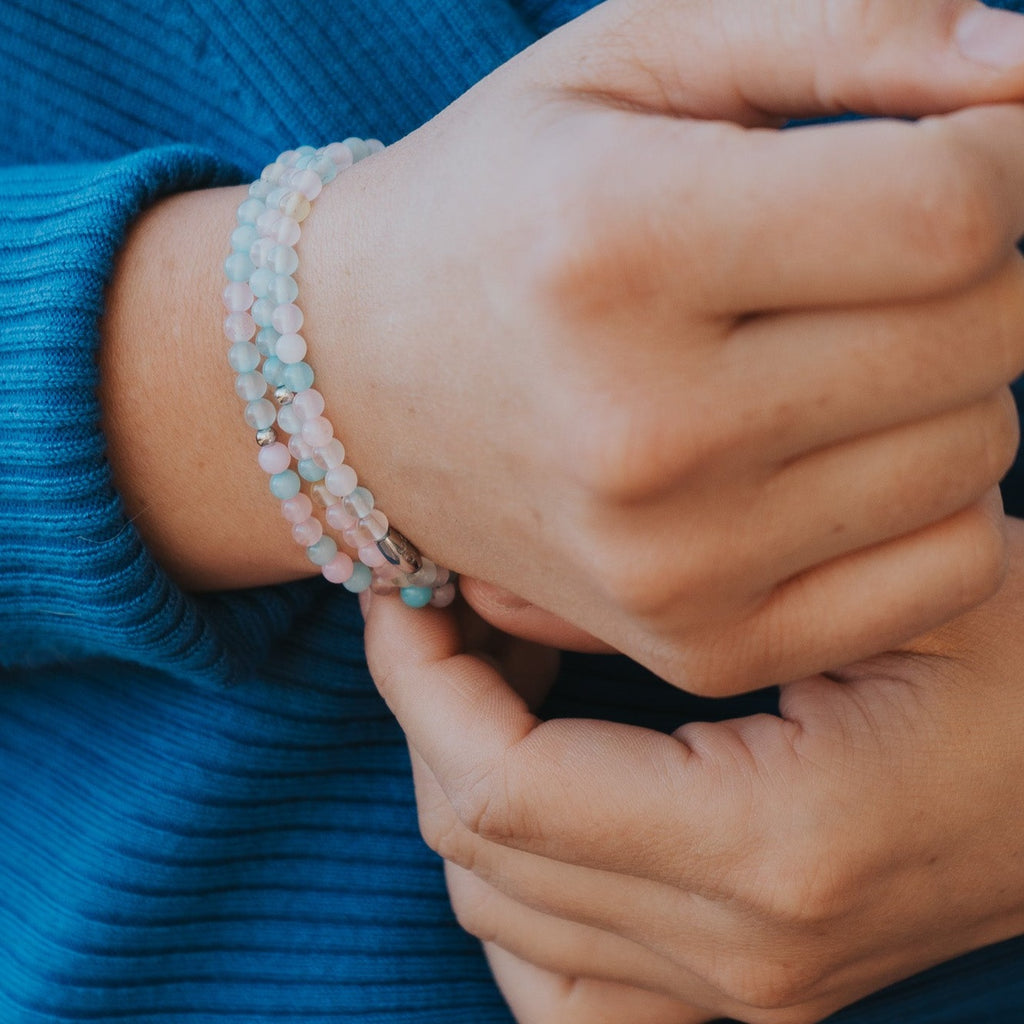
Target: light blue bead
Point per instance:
(308, 469)
(266, 341)
(417, 597)
(360, 151)
(323, 551)
(243, 356)
(260, 281)
(249, 212)
(305, 151)
(298, 376)
(360, 579)
(238, 266)
(243, 236)
(250, 386)
(325, 168)
(283, 289)
(283, 259)
(285, 485)
(273, 371)
(259, 189)
(263, 312)
(260, 414)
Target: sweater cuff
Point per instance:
(75, 579)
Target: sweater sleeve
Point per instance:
(75, 579)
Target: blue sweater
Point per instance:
(206, 812)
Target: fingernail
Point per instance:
(991, 37)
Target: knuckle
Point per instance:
(981, 558)
(1002, 437)
(483, 805)
(774, 991)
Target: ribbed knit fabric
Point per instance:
(206, 813)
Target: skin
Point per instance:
(680, 497)
(767, 869)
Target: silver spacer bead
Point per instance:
(400, 552)
(283, 396)
(268, 435)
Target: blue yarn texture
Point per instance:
(206, 811)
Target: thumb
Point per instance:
(755, 63)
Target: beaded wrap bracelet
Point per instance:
(268, 354)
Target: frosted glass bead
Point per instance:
(337, 518)
(308, 532)
(340, 479)
(238, 266)
(298, 376)
(311, 402)
(382, 586)
(266, 341)
(237, 296)
(260, 281)
(442, 576)
(377, 523)
(303, 151)
(307, 183)
(359, 502)
(272, 173)
(290, 348)
(310, 471)
(259, 189)
(289, 419)
(274, 458)
(324, 496)
(260, 250)
(357, 536)
(360, 579)
(277, 193)
(273, 370)
(283, 288)
(260, 414)
(250, 386)
(243, 356)
(375, 146)
(317, 431)
(286, 231)
(330, 455)
(443, 596)
(282, 259)
(297, 509)
(288, 318)
(251, 210)
(268, 221)
(285, 485)
(322, 552)
(339, 154)
(357, 147)
(299, 448)
(425, 575)
(288, 158)
(243, 237)
(239, 327)
(263, 313)
(296, 206)
(416, 597)
(339, 568)
(369, 554)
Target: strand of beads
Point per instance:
(268, 354)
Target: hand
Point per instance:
(769, 869)
(597, 334)
(691, 384)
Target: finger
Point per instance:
(748, 62)
(536, 995)
(586, 793)
(894, 592)
(869, 212)
(517, 617)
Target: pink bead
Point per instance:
(309, 531)
(330, 455)
(339, 154)
(260, 250)
(310, 403)
(237, 296)
(317, 431)
(443, 596)
(287, 318)
(357, 536)
(267, 221)
(297, 509)
(338, 518)
(299, 448)
(290, 348)
(286, 231)
(239, 326)
(339, 568)
(274, 458)
(369, 554)
(341, 480)
(307, 182)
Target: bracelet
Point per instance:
(268, 353)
